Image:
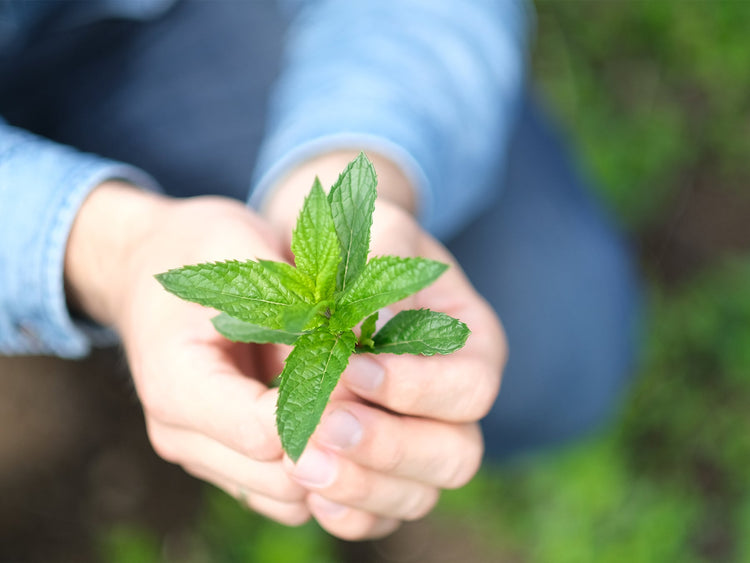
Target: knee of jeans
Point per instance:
(568, 379)
(602, 357)
(555, 420)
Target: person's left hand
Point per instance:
(398, 429)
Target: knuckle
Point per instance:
(481, 396)
(294, 516)
(254, 441)
(357, 492)
(289, 514)
(465, 466)
(454, 475)
(351, 533)
(151, 394)
(203, 474)
(393, 457)
(422, 504)
(362, 529)
(286, 491)
(405, 397)
(382, 527)
(163, 447)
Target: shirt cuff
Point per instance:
(271, 172)
(42, 188)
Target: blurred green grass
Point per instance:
(654, 97)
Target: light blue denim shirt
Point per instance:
(431, 84)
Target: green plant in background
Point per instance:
(129, 544)
(315, 305)
(227, 533)
(653, 93)
(224, 532)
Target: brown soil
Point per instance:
(74, 459)
(703, 225)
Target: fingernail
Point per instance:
(328, 507)
(340, 430)
(364, 373)
(315, 469)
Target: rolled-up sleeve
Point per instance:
(42, 187)
(434, 86)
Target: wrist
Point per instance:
(286, 197)
(112, 223)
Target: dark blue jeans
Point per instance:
(183, 97)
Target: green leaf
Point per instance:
(240, 331)
(244, 290)
(421, 331)
(305, 316)
(292, 278)
(385, 280)
(315, 244)
(365, 337)
(310, 373)
(352, 200)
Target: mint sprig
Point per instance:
(316, 304)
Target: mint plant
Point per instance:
(316, 304)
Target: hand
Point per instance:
(206, 400)
(398, 428)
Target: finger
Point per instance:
(201, 387)
(453, 294)
(348, 523)
(435, 453)
(288, 513)
(212, 461)
(458, 387)
(345, 482)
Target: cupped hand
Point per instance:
(206, 401)
(399, 429)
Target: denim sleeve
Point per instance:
(42, 186)
(432, 85)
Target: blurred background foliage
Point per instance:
(655, 96)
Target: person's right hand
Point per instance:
(206, 400)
